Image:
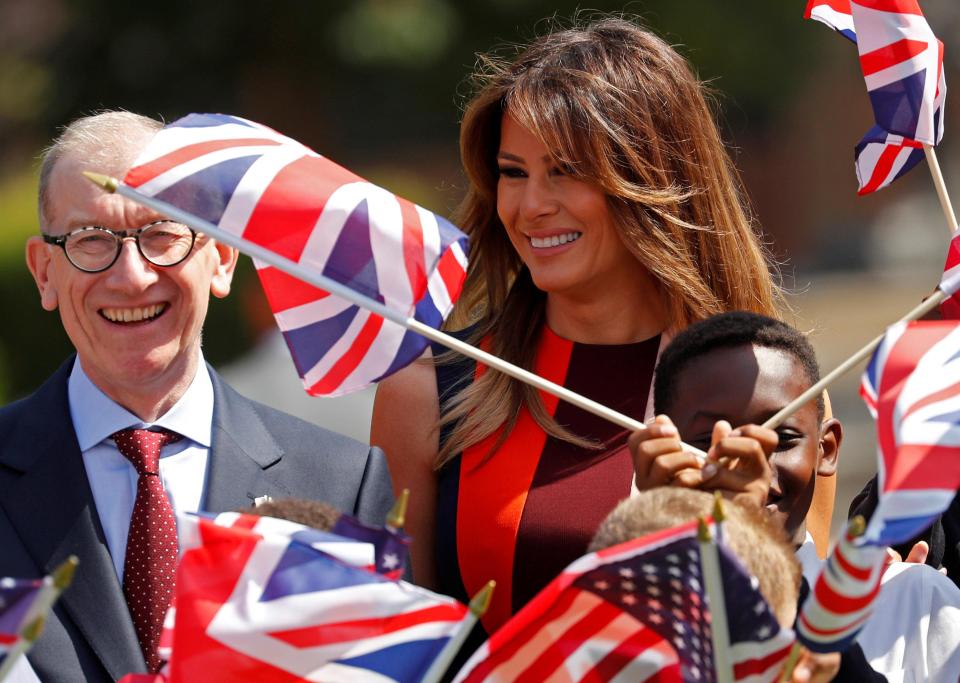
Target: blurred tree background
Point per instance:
(378, 85)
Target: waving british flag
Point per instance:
(634, 612)
(912, 387)
(17, 598)
(902, 62)
(271, 190)
(271, 609)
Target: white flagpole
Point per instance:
(36, 617)
(941, 186)
(478, 607)
(713, 583)
(932, 302)
(316, 279)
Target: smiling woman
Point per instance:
(604, 215)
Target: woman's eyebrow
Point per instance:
(509, 157)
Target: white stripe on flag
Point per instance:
(339, 348)
(171, 177)
(312, 312)
(253, 184)
(373, 365)
(386, 244)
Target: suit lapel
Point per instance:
(47, 498)
(241, 451)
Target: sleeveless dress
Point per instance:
(523, 514)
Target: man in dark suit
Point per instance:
(132, 293)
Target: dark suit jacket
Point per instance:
(47, 511)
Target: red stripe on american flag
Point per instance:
(625, 653)
(150, 170)
(839, 603)
(346, 631)
(891, 55)
(296, 197)
(561, 647)
(286, 291)
(413, 248)
(754, 667)
(349, 361)
(512, 645)
(881, 171)
(832, 633)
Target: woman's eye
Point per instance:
(511, 172)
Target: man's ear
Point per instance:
(831, 435)
(223, 275)
(39, 264)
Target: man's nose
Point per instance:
(131, 270)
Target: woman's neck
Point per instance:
(616, 317)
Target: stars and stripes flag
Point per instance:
(17, 604)
(912, 387)
(842, 597)
(391, 546)
(270, 609)
(902, 63)
(273, 191)
(634, 612)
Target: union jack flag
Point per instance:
(950, 282)
(634, 612)
(912, 387)
(270, 609)
(273, 191)
(842, 598)
(833, 13)
(17, 598)
(900, 58)
(902, 63)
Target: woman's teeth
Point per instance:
(132, 315)
(554, 240)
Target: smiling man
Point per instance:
(136, 426)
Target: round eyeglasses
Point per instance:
(94, 249)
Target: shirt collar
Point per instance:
(810, 562)
(96, 416)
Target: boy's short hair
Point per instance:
(311, 513)
(749, 533)
(728, 330)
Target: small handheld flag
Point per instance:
(912, 386)
(273, 191)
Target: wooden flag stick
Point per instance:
(311, 276)
(941, 186)
(477, 608)
(813, 392)
(713, 584)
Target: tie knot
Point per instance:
(142, 447)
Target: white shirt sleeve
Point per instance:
(913, 635)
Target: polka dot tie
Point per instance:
(149, 567)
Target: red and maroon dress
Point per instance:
(525, 513)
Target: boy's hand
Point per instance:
(658, 457)
(813, 667)
(739, 463)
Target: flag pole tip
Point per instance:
(106, 182)
(34, 629)
(481, 601)
(719, 513)
(398, 513)
(703, 531)
(857, 526)
(63, 575)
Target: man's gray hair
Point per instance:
(101, 139)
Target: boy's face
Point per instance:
(747, 385)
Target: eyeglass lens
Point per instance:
(163, 244)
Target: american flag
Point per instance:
(902, 62)
(842, 598)
(273, 191)
(270, 609)
(17, 598)
(635, 612)
(391, 546)
(912, 386)
(833, 13)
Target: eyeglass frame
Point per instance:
(121, 235)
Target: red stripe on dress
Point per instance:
(492, 492)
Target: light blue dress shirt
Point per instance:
(113, 479)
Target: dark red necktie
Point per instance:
(149, 567)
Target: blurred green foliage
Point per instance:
(375, 84)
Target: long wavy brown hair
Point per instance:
(621, 109)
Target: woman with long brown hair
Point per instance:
(604, 214)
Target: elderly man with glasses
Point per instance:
(136, 426)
